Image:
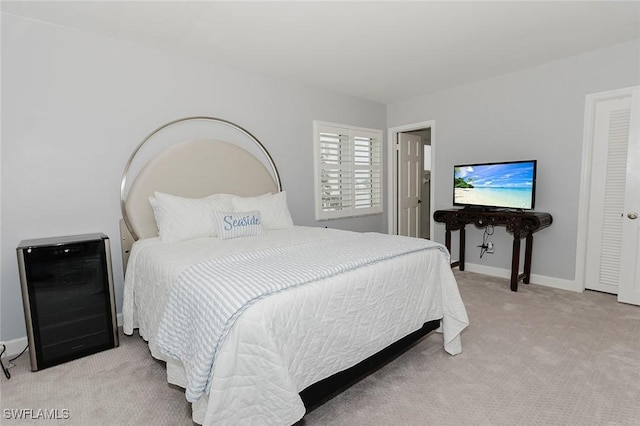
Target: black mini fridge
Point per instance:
(67, 292)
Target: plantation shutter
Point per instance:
(615, 182)
(348, 170)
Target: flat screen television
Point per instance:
(507, 185)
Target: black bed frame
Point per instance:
(322, 391)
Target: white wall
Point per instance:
(536, 113)
(75, 105)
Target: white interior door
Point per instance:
(629, 286)
(613, 235)
(409, 184)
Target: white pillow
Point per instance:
(273, 209)
(238, 224)
(180, 219)
(220, 196)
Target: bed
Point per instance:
(249, 311)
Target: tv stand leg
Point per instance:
(515, 263)
(462, 248)
(447, 243)
(447, 239)
(527, 258)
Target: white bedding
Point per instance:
(292, 339)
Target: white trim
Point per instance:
(585, 176)
(392, 172)
(542, 280)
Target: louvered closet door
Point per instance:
(612, 238)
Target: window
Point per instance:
(348, 168)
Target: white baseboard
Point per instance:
(535, 279)
(15, 346)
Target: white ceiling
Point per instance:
(383, 51)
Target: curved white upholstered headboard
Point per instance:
(191, 169)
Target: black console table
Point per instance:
(520, 224)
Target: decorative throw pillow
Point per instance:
(273, 209)
(238, 224)
(180, 219)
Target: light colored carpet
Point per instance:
(536, 357)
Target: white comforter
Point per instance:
(292, 339)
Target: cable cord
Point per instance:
(488, 231)
(9, 365)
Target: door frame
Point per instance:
(392, 172)
(591, 101)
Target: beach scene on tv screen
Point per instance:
(508, 185)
